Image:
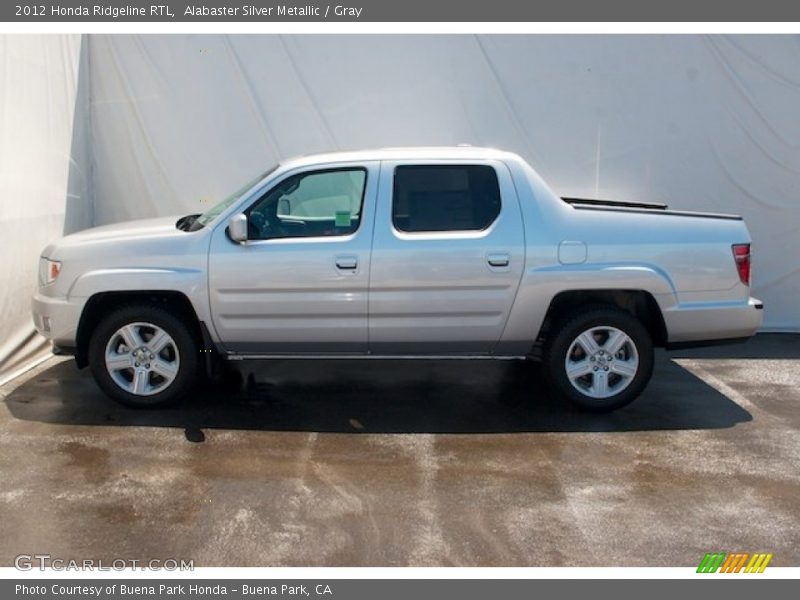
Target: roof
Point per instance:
(413, 153)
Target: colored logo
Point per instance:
(736, 562)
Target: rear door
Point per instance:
(447, 257)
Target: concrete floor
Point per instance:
(411, 463)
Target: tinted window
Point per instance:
(312, 204)
(445, 198)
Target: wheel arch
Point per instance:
(639, 303)
(99, 305)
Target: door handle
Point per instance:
(498, 260)
(348, 263)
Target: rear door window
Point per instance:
(430, 198)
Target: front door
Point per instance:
(299, 284)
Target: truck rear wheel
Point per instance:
(600, 359)
(143, 356)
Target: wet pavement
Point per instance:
(420, 463)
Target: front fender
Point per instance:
(189, 281)
(192, 283)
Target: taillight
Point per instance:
(741, 254)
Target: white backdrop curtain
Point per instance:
(43, 190)
(178, 121)
(699, 122)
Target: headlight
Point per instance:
(48, 270)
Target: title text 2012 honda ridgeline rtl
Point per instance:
(426, 252)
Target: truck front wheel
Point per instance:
(600, 359)
(143, 356)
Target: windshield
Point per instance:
(216, 210)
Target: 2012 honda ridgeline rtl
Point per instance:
(422, 253)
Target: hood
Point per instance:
(113, 238)
(118, 232)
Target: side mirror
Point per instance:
(237, 228)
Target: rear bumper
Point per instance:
(706, 324)
(57, 318)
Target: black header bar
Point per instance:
(402, 11)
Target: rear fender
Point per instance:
(541, 284)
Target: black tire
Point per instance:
(184, 342)
(561, 340)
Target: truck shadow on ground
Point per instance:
(381, 396)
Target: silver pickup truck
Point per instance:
(413, 253)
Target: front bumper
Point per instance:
(706, 323)
(57, 318)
